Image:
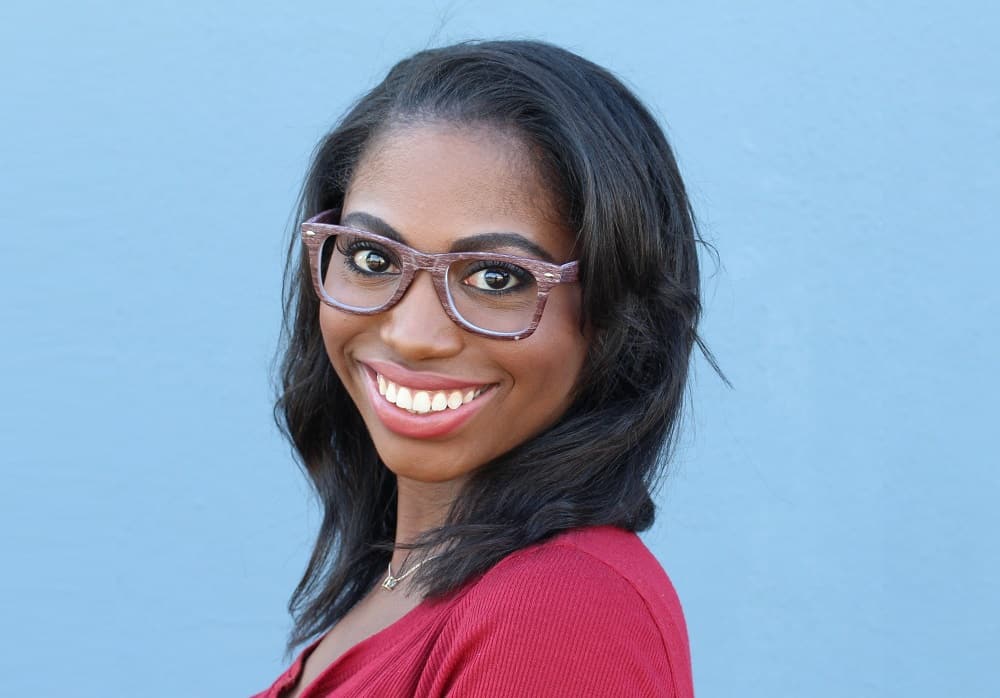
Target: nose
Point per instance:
(418, 327)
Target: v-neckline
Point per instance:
(396, 632)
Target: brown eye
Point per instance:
(496, 277)
(371, 261)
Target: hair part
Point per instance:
(615, 183)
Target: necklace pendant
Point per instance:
(390, 582)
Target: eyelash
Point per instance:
(523, 276)
(352, 248)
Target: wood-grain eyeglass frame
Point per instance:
(318, 229)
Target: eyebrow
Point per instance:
(372, 224)
(484, 242)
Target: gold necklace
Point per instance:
(390, 581)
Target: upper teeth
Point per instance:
(424, 401)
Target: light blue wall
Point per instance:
(830, 524)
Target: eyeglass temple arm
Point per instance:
(569, 272)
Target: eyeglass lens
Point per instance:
(493, 295)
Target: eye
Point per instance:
(371, 261)
(496, 277)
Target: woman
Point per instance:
(490, 327)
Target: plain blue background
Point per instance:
(830, 523)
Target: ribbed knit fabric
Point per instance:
(588, 613)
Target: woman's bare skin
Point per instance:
(420, 506)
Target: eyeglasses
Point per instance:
(490, 294)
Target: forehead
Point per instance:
(438, 182)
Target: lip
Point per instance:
(420, 426)
(422, 380)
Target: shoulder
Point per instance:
(602, 564)
(589, 612)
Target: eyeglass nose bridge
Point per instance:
(437, 268)
(423, 261)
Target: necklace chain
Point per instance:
(390, 581)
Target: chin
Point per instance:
(423, 462)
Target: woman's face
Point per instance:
(443, 188)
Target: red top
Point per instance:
(587, 613)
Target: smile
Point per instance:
(422, 405)
(417, 401)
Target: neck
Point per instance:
(420, 506)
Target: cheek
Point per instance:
(549, 371)
(567, 340)
(337, 329)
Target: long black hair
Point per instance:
(617, 185)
